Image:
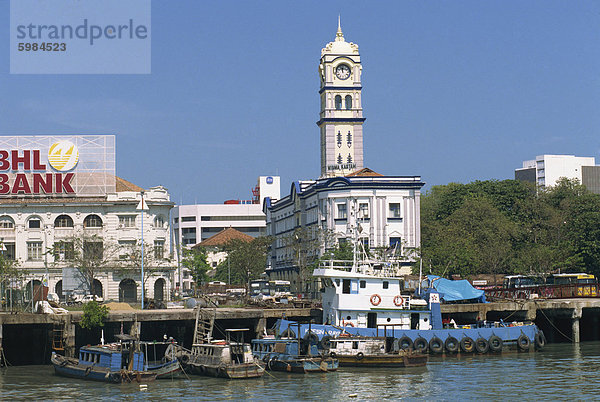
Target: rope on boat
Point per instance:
(263, 369)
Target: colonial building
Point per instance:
(348, 203)
(62, 193)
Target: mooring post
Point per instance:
(69, 326)
(575, 324)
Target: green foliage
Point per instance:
(246, 260)
(505, 227)
(195, 261)
(94, 315)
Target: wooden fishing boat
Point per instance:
(373, 352)
(292, 355)
(114, 363)
(166, 368)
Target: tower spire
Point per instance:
(339, 36)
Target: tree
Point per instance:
(94, 315)
(90, 255)
(195, 261)
(130, 261)
(10, 272)
(246, 260)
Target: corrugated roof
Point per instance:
(223, 237)
(124, 185)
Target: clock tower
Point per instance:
(341, 117)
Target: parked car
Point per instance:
(53, 297)
(89, 298)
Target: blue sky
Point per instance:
(453, 91)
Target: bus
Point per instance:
(263, 288)
(521, 281)
(571, 279)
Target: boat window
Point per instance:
(363, 284)
(346, 286)
(348, 318)
(354, 345)
(386, 284)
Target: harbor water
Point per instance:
(560, 371)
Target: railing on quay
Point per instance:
(569, 291)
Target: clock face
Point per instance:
(342, 71)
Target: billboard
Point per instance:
(61, 166)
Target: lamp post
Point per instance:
(141, 207)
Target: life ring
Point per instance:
(467, 344)
(347, 324)
(360, 356)
(523, 342)
(436, 345)
(398, 301)
(451, 344)
(495, 343)
(375, 299)
(405, 343)
(482, 345)
(420, 345)
(540, 340)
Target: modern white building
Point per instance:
(195, 223)
(349, 202)
(546, 170)
(63, 188)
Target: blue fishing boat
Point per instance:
(114, 363)
(292, 355)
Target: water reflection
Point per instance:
(561, 371)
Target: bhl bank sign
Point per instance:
(57, 165)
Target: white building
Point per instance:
(193, 224)
(546, 170)
(61, 188)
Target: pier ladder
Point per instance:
(205, 322)
(58, 338)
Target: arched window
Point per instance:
(92, 221)
(348, 102)
(63, 221)
(34, 223)
(338, 102)
(159, 221)
(6, 222)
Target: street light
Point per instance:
(141, 207)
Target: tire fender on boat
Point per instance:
(184, 359)
(495, 343)
(88, 370)
(523, 342)
(436, 345)
(325, 342)
(467, 344)
(451, 344)
(375, 299)
(482, 345)
(405, 343)
(333, 355)
(540, 340)
(421, 345)
(360, 356)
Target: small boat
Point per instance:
(118, 362)
(292, 355)
(223, 358)
(166, 368)
(373, 352)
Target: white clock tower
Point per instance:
(341, 116)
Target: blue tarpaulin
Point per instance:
(455, 290)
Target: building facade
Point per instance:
(62, 194)
(546, 170)
(195, 223)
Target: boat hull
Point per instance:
(234, 371)
(383, 361)
(168, 370)
(66, 367)
(303, 365)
